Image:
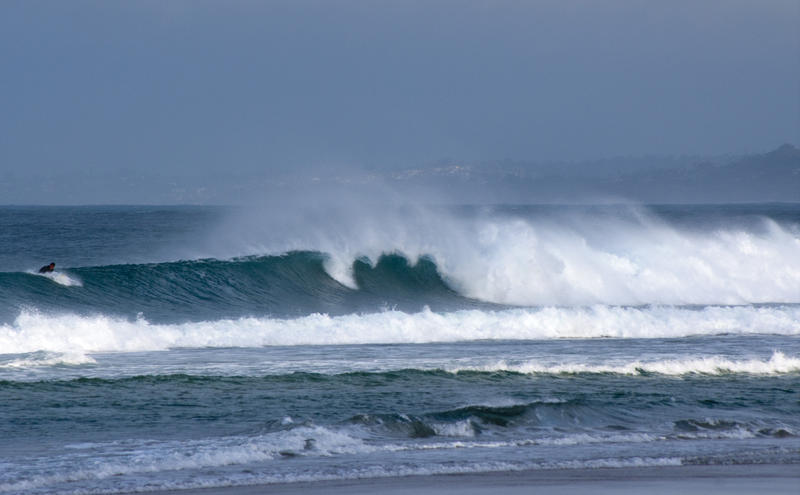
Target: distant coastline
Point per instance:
(770, 177)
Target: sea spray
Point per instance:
(621, 255)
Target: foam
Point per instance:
(353, 473)
(559, 441)
(61, 278)
(147, 456)
(462, 428)
(43, 359)
(710, 365)
(140, 457)
(32, 331)
(624, 263)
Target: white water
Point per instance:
(44, 359)
(649, 263)
(630, 257)
(169, 459)
(710, 365)
(203, 462)
(61, 278)
(65, 366)
(32, 331)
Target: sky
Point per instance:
(218, 88)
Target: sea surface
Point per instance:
(179, 347)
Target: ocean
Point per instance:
(188, 347)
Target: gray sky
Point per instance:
(202, 87)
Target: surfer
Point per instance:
(47, 268)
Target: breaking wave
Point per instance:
(538, 256)
(445, 262)
(33, 331)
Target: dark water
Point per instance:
(180, 347)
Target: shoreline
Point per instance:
(775, 479)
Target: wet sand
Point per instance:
(697, 480)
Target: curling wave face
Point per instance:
(294, 284)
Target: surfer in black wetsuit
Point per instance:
(47, 268)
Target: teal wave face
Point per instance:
(293, 284)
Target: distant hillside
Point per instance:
(773, 176)
(767, 177)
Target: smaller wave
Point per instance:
(547, 423)
(143, 457)
(205, 462)
(778, 363)
(715, 428)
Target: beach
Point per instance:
(685, 480)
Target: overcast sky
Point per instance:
(195, 87)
